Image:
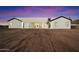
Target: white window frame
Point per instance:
(67, 24)
(55, 23)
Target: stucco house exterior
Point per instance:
(28, 23)
(15, 23)
(60, 22)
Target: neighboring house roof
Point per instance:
(49, 19)
(16, 19)
(31, 19)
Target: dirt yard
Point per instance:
(39, 40)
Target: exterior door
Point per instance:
(37, 26)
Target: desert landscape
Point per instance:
(39, 40)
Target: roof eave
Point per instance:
(16, 19)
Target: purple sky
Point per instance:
(7, 12)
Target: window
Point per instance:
(30, 25)
(66, 24)
(10, 24)
(26, 25)
(55, 24)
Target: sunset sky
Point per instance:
(7, 12)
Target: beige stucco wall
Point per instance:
(36, 25)
(27, 25)
(61, 23)
(44, 25)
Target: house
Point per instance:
(28, 23)
(60, 22)
(15, 23)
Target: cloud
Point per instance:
(32, 11)
(38, 11)
(71, 11)
(17, 12)
(46, 11)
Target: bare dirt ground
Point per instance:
(39, 40)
